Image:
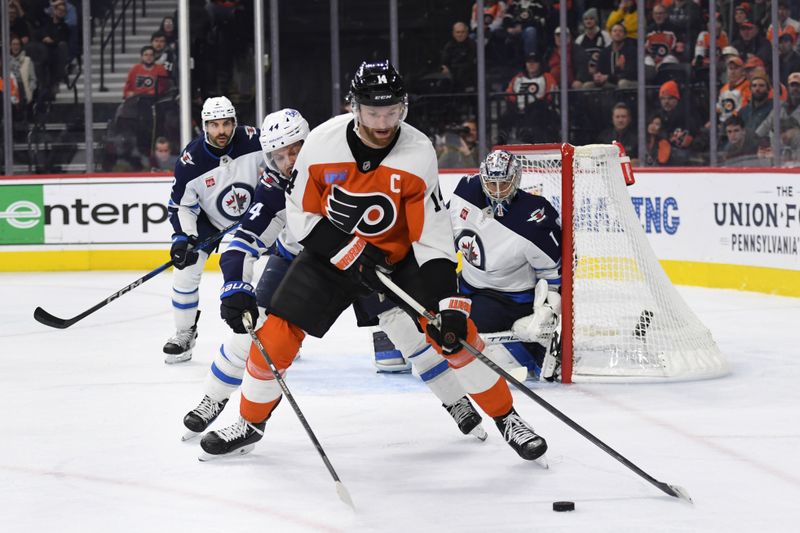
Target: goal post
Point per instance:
(622, 319)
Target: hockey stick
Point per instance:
(672, 490)
(62, 323)
(341, 490)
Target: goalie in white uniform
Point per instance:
(510, 242)
(215, 178)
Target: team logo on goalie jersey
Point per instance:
(369, 214)
(471, 248)
(537, 215)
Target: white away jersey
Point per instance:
(508, 253)
(220, 187)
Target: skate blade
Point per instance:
(542, 462)
(205, 457)
(189, 435)
(175, 359)
(479, 433)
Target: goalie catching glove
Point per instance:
(360, 259)
(236, 298)
(540, 326)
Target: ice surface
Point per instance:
(91, 427)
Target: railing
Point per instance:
(116, 15)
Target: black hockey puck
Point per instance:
(563, 506)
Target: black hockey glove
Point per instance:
(236, 298)
(361, 259)
(453, 315)
(182, 251)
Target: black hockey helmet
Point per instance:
(377, 84)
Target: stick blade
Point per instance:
(341, 490)
(678, 492)
(47, 319)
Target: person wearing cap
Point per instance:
(554, 58)
(789, 122)
(678, 124)
(736, 93)
(750, 43)
(759, 106)
(593, 39)
(530, 97)
(788, 56)
(617, 66)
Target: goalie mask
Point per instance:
(500, 175)
(378, 85)
(215, 108)
(280, 130)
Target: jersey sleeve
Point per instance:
(544, 251)
(184, 202)
(260, 228)
(431, 230)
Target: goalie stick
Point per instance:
(672, 490)
(62, 323)
(341, 490)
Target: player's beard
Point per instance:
(369, 137)
(220, 141)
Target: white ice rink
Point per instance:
(91, 426)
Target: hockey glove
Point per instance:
(360, 259)
(182, 251)
(236, 298)
(452, 327)
(539, 326)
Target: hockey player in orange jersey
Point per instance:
(364, 195)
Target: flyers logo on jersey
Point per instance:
(369, 214)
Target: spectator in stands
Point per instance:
(493, 12)
(617, 64)
(751, 43)
(12, 83)
(759, 106)
(788, 58)
(167, 27)
(789, 123)
(53, 47)
(622, 130)
(677, 123)
(459, 146)
(23, 69)
(593, 39)
(531, 16)
(661, 42)
(146, 78)
(658, 151)
(741, 143)
(786, 24)
(530, 108)
(459, 59)
(163, 54)
(686, 18)
(554, 58)
(162, 158)
(736, 93)
(702, 46)
(626, 15)
(18, 22)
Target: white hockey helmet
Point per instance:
(279, 129)
(500, 175)
(215, 108)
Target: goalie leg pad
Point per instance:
(387, 357)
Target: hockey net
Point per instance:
(622, 319)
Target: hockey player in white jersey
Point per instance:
(215, 177)
(262, 231)
(510, 241)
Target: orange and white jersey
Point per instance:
(396, 206)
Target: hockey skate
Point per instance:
(520, 436)
(467, 418)
(179, 347)
(199, 418)
(237, 439)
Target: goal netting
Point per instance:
(622, 320)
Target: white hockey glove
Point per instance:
(540, 326)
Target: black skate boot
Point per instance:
(237, 439)
(467, 418)
(179, 347)
(199, 418)
(520, 436)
